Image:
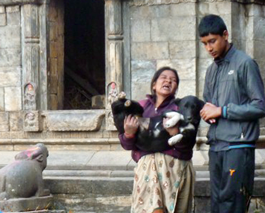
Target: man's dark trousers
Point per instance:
(232, 179)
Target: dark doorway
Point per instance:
(84, 75)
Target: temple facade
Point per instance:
(63, 62)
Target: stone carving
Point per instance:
(30, 96)
(31, 121)
(74, 120)
(112, 93)
(12, 2)
(162, 2)
(112, 96)
(23, 177)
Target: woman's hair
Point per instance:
(211, 24)
(158, 73)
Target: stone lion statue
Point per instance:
(23, 177)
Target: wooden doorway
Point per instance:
(83, 54)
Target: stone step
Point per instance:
(102, 181)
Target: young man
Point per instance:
(235, 101)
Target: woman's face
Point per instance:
(166, 84)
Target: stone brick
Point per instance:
(255, 10)
(4, 127)
(13, 99)
(237, 9)
(16, 121)
(203, 64)
(182, 49)
(2, 9)
(27, 204)
(160, 11)
(141, 30)
(10, 57)
(13, 9)
(142, 71)
(2, 19)
(259, 28)
(10, 76)
(146, 12)
(164, 29)
(200, 87)
(186, 67)
(187, 9)
(2, 99)
(239, 26)
(150, 50)
(66, 121)
(13, 16)
(221, 8)
(139, 90)
(10, 37)
(186, 87)
(259, 47)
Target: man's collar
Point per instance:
(227, 56)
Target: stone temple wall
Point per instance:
(141, 36)
(165, 34)
(10, 58)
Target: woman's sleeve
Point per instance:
(127, 143)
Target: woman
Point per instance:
(163, 181)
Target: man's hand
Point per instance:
(210, 112)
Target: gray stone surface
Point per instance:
(13, 15)
(2, 19)
(102, 181)
(143, 26)
(15, 121)
(10, 76)
(149, 50)
(13, 99)
(42, 211)
(4, 122)
(10, 57)
(75, 160)
(162, 29)
(89, 120)
(26, 204)
(12, 31)
(141, 71)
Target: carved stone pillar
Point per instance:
(31, 49)
(34, 50)
(114, 48)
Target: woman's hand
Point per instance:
(131, 125)
(171, 130)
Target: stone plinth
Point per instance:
(42, 211)
(76, 120)
(27, 204)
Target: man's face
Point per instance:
(216, 45)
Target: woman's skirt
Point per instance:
(163, 182)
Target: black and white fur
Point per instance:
(151, 135)
(188, 118)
